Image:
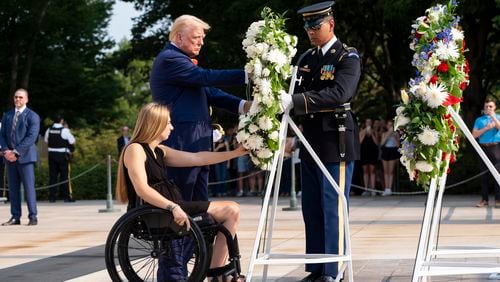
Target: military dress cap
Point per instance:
(314, 14)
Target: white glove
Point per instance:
(216, 135)
(286, 102)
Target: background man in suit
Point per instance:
(189, 91)
(17, 138)
(330, 73)
(122, 140)
(61, 145)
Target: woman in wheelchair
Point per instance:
(141, 177)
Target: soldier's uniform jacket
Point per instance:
(325, 84)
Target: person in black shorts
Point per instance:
(390, 155)
(141, 169)
(369, 140)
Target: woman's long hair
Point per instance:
(153, 118)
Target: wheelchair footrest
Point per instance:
(226, 270)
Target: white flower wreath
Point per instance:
(269, 50)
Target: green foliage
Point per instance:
(89, 161)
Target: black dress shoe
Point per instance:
(310, 278)
(325, 278)
(69, 201)
(33, 221)
(12, 221)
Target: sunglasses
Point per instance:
(314, 27)
(314, 24)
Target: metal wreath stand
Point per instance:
(427, 246)
(344, 257)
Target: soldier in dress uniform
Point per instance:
(328, 78)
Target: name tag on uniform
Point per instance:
(327, 72)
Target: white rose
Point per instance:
(246, 42)
(277, 57)
(274, 135)
(241, 136)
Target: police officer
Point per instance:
(328, 77)
(61, 146)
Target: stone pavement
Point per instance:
(68, 243)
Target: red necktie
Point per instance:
(195, 62)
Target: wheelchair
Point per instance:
(143, 234)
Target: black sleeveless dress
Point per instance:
(157, 178)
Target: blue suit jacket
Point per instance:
(189, 90)
(27, 130)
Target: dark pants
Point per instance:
(193, 183)
(25, 174)
(221, 174)
(58, 172)
(320, 209)
(3, 184)
(493, 153)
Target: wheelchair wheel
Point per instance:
(140, 236)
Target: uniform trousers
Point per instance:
(21, 173)
(320, 204)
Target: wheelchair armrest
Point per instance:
(203, 219)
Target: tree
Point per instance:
(481, 26)
(55, 48)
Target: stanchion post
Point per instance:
(109, 201)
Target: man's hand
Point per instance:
(286, 102)
(246, 106)
(10, 156)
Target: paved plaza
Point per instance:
(68, 243)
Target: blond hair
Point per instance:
(184, 22)
(152, 120)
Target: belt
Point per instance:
(339, 109)
(492, 144)
(57, 150)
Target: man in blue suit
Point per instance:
(17, 139)
(189, 91)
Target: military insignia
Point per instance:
(305, 69)
(327, 72)
(333, 51)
